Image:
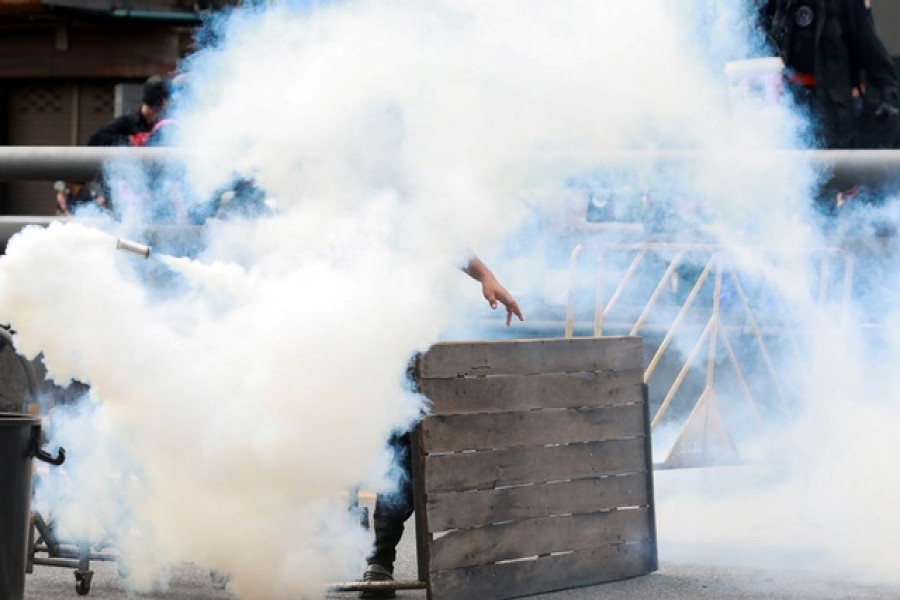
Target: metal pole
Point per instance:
(570, 307)
(83, 162)
(74, 163)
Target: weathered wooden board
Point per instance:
(533, 467)
(552, 390)
(545, 573)
(525, 357)
(456, 433)
(517, 466)
(136, 49)
(533, 537)
(485, 507)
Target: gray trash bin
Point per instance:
(20, 438)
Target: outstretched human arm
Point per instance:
(491, 288)
(114, 133)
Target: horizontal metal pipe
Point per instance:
(154, 234)
(839, 167)
(56, 562)
(72, 558)
(81, 163)
(74, 163)
(359, 586)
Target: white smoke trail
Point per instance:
(392, 136)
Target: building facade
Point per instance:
(68, 66)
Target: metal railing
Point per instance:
(711, 264)
(870, 167)
(76, 163)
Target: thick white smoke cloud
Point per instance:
(248, 387)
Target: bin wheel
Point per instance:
(219, 580)
(83, 582)
(123, 570)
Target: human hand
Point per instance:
(495, 293)
(886, 109)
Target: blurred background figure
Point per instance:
(71, 196)
(242, 199)
(136, 128)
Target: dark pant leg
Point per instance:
(392, 510)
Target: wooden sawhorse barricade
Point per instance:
(533, 467)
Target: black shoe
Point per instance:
(374, 573)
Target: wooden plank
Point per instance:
(518, 466)
(134, 49)
(98, 5)
(648, 456)
(484, 507)
(533, 537)
(21, 7)
(135, 5)
(421, 514)
(455, 433)
(545, 574)
(524, 357)
(552, 390)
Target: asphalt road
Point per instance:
(675, 579)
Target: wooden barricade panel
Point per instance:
(534, 468)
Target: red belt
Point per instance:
(804, 79)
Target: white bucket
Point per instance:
(756, 79)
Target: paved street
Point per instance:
(679, 577)
(673, 580)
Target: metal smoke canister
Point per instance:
(133, 247)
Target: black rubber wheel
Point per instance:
(83, 582)
(219, 580)
(82, 587)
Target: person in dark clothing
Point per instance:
(77, 194)
(135, 128)
(145, 126)
(393, 510)
(837, 68)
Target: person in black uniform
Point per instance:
(392, 510)
(135, 128)
(837, 68)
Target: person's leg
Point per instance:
(391, 512)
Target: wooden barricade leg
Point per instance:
(423, 538)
